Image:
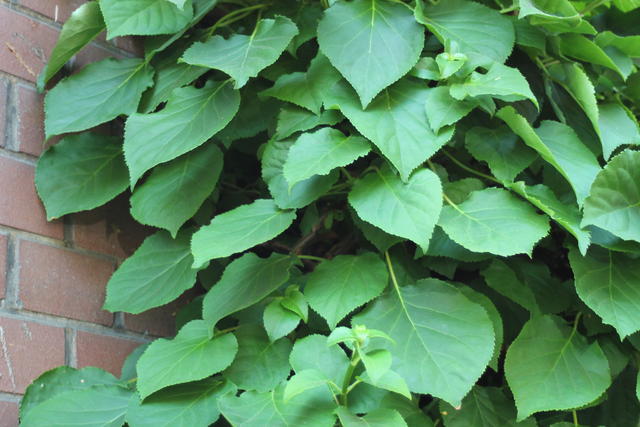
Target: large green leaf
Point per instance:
(617, 127)
(501, 149)
(580, 47)
(98, 93)
(609, 283)
(614, 201)
(500, 81)
(184, 405)
(371, 42)
(560, 147)
(239, 229)
(338, 286)
(292, 119)
(288, 195)
(565, 214)
(482, 407)
(502, 279)
(381, 417)
(481, 33)
(494, 221)
(156, 274)
(444, 341)
(313, 353)
(260, 364)
(549, 366)
(192, 355)
(174, 191)
(99, 405)
(62, 380)
(191, 117)
(408, 210)
(245, 281)
(254, 409)
(84, 24)
(144, 17)
(81, 172)
(242, 56)
(306, 89)
(319, 152)
(396, 122)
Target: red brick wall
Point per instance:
(53, 275)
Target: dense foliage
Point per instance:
(393, 213)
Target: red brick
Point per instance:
(102, 351)
(63, 283)
(9, 414)
(25, 44)
(4, 86)
(20, 206)
(28, 349)
(3, 264)
(48, 8)
(109, 230)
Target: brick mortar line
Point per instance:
(12, 298)
(60, 244)
(12, 121)
(16, 155)
(45, 20)
(10, 397)
(70, 349)
(76, 325)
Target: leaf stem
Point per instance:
(468, 169)
(312, 258)
(232, 17)
(575, 418)
(353, 363)
(592, 6)
(392, 273)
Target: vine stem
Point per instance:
(353, 363)
(444, 195)
(312, 258)
(232, 17)
(468, 169)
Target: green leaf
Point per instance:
(278, 321)
(441, 245)
(156, 274)
(174, 191)
(609, 283)
(191, 117)
(565, 214)
(79, 173)
(500, 81)
(84, 24)
(614, 201)
(556, 16)
(627, 5)
(259, 364)
(292, 120)
(254, 409)
(304, 381)
(408, 210)
(412, 414)
(319, 152)
(289, 195)
(396, 122)
(61, 380)
(242, 56)
(629, 45)
(245, 281)
(306, 89)
(482, 407)
(579, 47)
(503, 280)
(617, 127)
(312, 352)
(339, 286)
(425, 319)
(378, 238)
(494, 221)
(239, 229)
(192, 355)
(501, 149)
(442, 109)
(483, 34)
(551, 367)
(144, 17)
(560, 147)
(100, 92)
(371, 42)
(99, 405)
(377, 418)
(378, 363)
(184, 405)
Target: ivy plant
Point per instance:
(385, 212)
